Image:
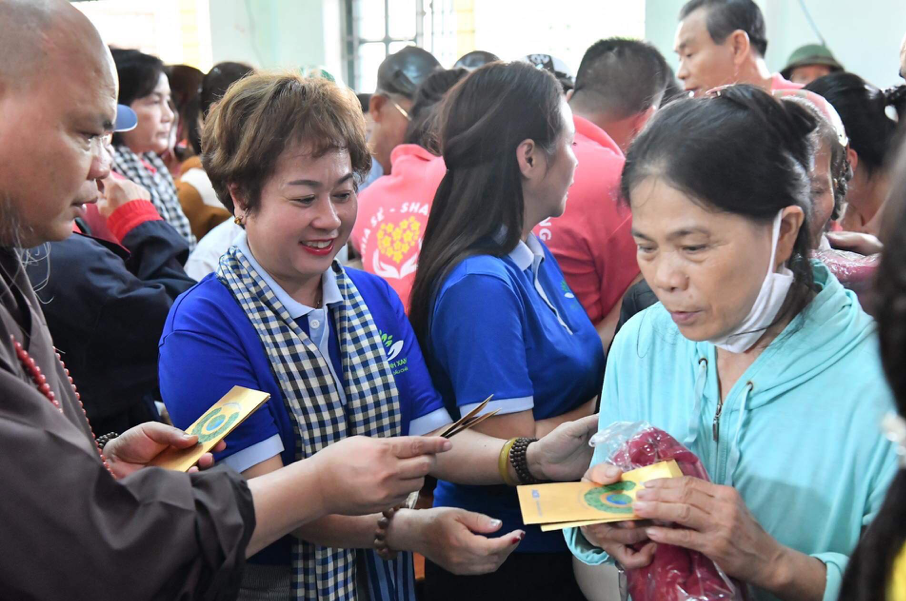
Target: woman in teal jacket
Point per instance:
(756, 359)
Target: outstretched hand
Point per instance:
(137, 447)
(564, 454)
(458, 541)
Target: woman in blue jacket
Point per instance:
(755, 358)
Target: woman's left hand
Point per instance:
(455, 539)
(715, 521)
(138, 446)
(564, 454)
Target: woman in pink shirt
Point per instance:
(393, 211)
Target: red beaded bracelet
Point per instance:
(380, 536)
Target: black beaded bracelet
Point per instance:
(103, 439)
(520, 461)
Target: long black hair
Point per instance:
(214, 85)
(423, 128)
(863, 110)
(479, 205)
(869, 569)
(741, 152)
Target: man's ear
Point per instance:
(740, 45)
(641, 119)
(375, 104)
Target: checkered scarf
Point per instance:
(311, 398)
(158, 182)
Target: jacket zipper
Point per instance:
(715, 427)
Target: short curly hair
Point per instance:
(261, 115)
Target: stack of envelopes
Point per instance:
(572, 504)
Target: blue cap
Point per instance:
(126, 119)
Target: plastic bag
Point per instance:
(855, 271)
(675, 574)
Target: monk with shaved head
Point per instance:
(58, 101)
(84, 518)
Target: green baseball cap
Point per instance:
(811, 54)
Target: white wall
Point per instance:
(514, 28)
(865, 36)
(274, 34)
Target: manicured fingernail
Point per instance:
(448, 444)
(496, 523)
(612, 471)
(652, 533)
(650, 483)
(519, 538)
(642, 494)
(640, 506)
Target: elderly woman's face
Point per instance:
(307, 210)
(705, 267)
(155, 120)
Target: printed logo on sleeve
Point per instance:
(393, 349)
(566, 291)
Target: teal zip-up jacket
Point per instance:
(799, 434)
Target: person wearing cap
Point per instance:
(477, 58)
(394, 210)
(721, 42)
(98, 280)
(398, 78)
(553, 65)
(809, 62)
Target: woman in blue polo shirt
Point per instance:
(492, 309)
(331, 346)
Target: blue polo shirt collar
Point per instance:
(531, 254)
(296, 309)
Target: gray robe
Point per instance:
(68, 530)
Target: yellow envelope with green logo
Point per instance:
(570, 504)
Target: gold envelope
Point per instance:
(569, 504)
(212, 427)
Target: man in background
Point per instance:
(808, 63)
(722, 42)
(619, 86)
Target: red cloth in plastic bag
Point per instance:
(854, 271)
(675, 574)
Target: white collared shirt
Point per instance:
(530, 254)
(318, 332)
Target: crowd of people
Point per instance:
(718, 252)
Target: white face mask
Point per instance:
(770, 299)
